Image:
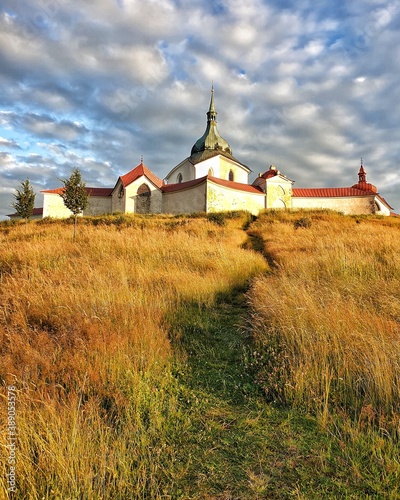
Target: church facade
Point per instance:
(211, 179)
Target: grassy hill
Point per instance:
(202, 358)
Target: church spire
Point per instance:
(211, 139)
(362, 183)
(362, 174)
(211, 113)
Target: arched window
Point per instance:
(230, 176)
(121, 192)
(143, 199)
(180, 178)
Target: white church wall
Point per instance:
(203, 168)
(131, 196)
(53, 206)
(98, 205)
(185, 169)
(156, 201)
(239, 173)
(278, 192)
(186, 200)
(357, 205)
(380, 208)
(118, 198)
(220, 166)
(220, 198)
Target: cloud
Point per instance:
(6, 143)
(308, 87)
(47, 127)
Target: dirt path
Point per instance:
(240, 446)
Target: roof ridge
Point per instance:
(137, 172)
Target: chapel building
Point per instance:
(211, 179)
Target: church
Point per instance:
(211, 179)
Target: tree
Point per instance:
(74, 195)
(24, 200)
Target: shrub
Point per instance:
(218, 218)
(303, 222)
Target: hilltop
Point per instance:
(220, 356)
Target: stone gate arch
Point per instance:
(143, 199)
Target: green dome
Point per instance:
(211, 139)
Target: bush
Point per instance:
(218, 218)
(302, 222)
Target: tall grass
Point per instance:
(327, 320)
(84, 336)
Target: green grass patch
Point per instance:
(239, 445)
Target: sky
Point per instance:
(310, 86)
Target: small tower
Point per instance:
(277, 188)
(362, 174)
(362, 184)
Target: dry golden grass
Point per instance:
(327, 320)
(84, 337)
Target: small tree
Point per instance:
(24, 200)
(74, 195)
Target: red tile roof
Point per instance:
(329, 192)
(53, 191)
(268, 174)
(138, 172)
(169, 188)
(125, 179)
(236, 185)
(272, 172)
(99, 191)
(365, 186)
(36, 211)
(91, 191)
(335, 193)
